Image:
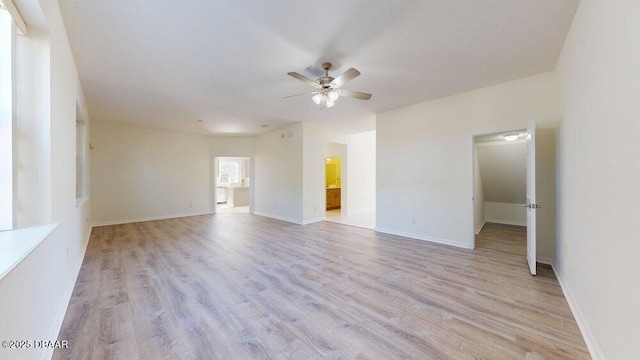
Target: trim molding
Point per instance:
(360, 211)
(479, 228)
(424, 238)
(278, 217)
(583, 325)
(314, 220)
(21, 26)
(28, 237)
(506, 222)
(544, 260)
(151, 218)
(62, 310)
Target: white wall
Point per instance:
(424, 155)
(361, 171)
(598, 247)
(35, 294)
(503, 167)
(504, 171)
(63, 123)
(142, 173)
(278, 174)
(505, 213)
(34, 127)
(357, 153)
(290, 171)
(313, 168)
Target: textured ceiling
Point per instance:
(170, 63)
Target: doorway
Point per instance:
(232, 185)
(357, 180)
(333, 186)
(503, 183)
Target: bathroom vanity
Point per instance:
(333, 198)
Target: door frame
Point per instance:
(472, 153)
(214, 182)
(342, 153)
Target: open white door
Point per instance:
(531, 197)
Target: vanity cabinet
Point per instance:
(333, 198)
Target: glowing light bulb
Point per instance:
(333, 95)
(317, 98)
(330, 103)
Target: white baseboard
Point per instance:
(585, 329)
(354, 212)
(278, 217)
(54, 332)
(506, 222)
(425, 238)
(57, 323)
(151, 218)
(479, 228)
(310, 221)
(544, 260)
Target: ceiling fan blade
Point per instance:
(307, 93)
(345, 77)
(315, 71)
(355, 94)
(304, 79)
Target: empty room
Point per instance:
(319, 180)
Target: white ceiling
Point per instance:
(170, 63)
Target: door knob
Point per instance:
(532, 206)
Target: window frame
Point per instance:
(8, 146)
(221, 175)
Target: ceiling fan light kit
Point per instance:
(317, 98)
(328, 87)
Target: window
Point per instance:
(229, 172)
(6, 121)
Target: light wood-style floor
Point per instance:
(364, 219)
(240, 286)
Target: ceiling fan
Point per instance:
(328, 88)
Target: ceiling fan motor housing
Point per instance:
(326, 85)
(325, 81)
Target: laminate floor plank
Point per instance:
(241, 286)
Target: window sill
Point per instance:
(81, 200)
(15, 245)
